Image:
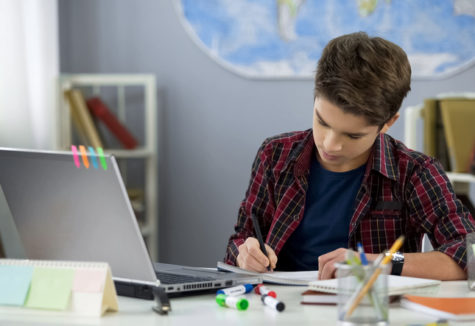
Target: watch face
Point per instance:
(398, 257)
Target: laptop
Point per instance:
(52, 209)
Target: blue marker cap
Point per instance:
(249, 287)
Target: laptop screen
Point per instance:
(64, 212)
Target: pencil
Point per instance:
(395, 247)
(257, 230)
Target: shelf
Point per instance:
(147, 216)
(461, 177)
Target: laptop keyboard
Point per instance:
(168, 278)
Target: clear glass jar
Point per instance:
(373, 308)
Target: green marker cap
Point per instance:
(242, 304)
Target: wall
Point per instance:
(211, 121)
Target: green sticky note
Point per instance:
(14, 284)
(50, 288)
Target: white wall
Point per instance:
(211, 121)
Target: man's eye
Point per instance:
(354, 137)
(322, 123)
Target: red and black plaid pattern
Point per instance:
(403, 192)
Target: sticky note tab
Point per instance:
(50, 288)
(93, 157)
(473, 248)
(100, 152)
(89, 280)
(14, 284)
(75, 156)
(85, 161)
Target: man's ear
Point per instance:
(390, 122)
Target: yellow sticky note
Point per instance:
(50, 288)
(473, 248)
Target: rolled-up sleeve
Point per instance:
(434, 206)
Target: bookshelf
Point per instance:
(412, 115)
(412, 132)
(134, 98)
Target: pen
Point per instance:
(257, 230)
(395, 247)
(364, 260)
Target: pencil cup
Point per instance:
(471, 260)
(373, 307)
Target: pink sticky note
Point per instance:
(89, 280)
(75, 156)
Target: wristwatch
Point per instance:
(397, 262)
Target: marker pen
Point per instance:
(263, 290)
(238, 303)
(236, 290)
(273, 302)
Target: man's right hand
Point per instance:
(252, 258)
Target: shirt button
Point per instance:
(296, 217)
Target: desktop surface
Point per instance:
(203, 310)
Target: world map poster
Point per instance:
(285, 38)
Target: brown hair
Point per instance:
(364, 75)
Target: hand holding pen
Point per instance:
(255, 255)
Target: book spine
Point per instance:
(81, 114)
(102, 112)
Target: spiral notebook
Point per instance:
(282, 278)
(396, 285)
(79, 288)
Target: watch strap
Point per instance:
(397, 262)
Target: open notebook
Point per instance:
(284, 278)
(396, 285)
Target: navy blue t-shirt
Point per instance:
(329, 206)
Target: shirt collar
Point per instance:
(382, 158)
(303, 156)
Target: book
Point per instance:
(319, 298)
(100, 110)
(325, 298)
(65, 287)
(459, 309)
(435, 144)
(82, 117)
(396, 285)
(429, 114)
(283, 278)
(458, 116)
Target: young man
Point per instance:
(318, 192)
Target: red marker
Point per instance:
(263, 290)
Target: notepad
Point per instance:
(71, 287)
(283, 278)
(396, 285)
(14, 284)
(447, 308)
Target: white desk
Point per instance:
(203, 310)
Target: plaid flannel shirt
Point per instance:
(403, 192)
